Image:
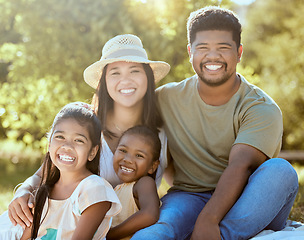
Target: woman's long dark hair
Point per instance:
(83, 114)
(103, 103)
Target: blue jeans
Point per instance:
(264, 204)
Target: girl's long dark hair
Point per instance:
(83, 114)
(103, 103)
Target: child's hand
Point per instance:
(19, 210)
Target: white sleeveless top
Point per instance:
(106, 161)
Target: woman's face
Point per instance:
(127, 83)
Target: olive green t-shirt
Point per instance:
(200, 136)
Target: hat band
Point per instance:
(127, 52)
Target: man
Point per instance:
(223, 134)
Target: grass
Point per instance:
(12, 174)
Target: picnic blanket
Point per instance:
(293, 231)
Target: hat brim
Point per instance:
(92, 73)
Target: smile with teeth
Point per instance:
(66, 158)
(127, 91)
(125, 169)
(213, 67)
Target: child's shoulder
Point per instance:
(146, 179)
(94, 189)
(145, 182)
(95, 179)
(93, 182)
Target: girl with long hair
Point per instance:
(71, 192)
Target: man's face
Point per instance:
(214, 56)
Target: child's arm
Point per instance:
(90, 220)
(148, 203)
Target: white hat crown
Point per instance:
(122, 46)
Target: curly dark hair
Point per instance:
(213, 18)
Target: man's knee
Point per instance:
(282, 170)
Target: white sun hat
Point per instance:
(128, 48)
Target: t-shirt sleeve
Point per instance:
(97, 189)
(261, 126)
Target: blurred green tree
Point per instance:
(274, 49)
(46, 45)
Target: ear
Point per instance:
(240, 52)
(93, 153)
(153, 167)
(189, 50)
(190, 53)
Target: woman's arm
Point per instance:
(148, 203)
(19, 210)
(26, 234)
(169, 171)
(90, 220)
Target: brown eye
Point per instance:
(122, 150)
(59, 137)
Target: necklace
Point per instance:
(117, 128)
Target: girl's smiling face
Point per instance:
(133, 158)
(70, 146)
(127, 83)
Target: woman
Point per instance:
(124, 79)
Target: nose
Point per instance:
(125, 78)
(213, 54)
(67, 145)
(127, 158)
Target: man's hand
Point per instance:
(19, 210)
(205, 230)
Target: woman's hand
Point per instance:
(20, 210)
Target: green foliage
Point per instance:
(16, 153)
(273, 47)
(46, 45)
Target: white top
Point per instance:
(106, 161)
(60, 217)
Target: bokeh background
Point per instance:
(46, 45)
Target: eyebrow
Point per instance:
(113, 68)
(225, 43)
(221, 43)
(138, 150)
(79, 134)
(116, 68)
